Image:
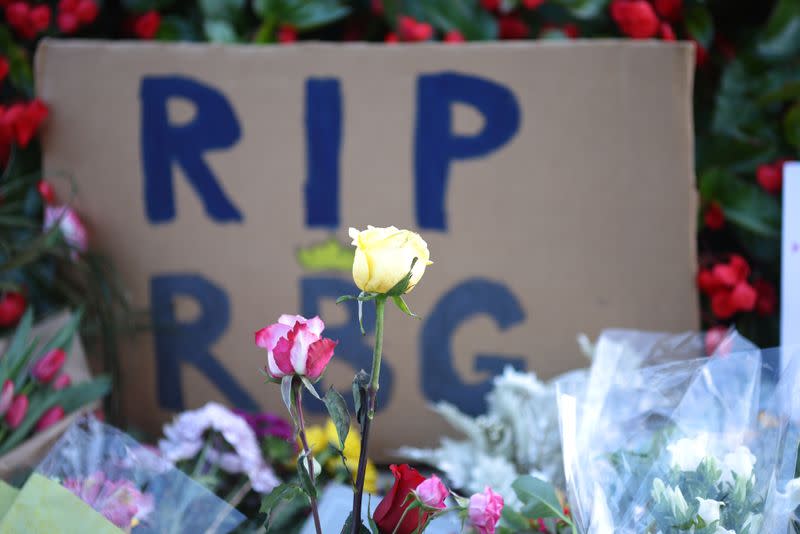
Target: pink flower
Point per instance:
(432, 492)
(49, 365)
(118, 501)
(484, 510)
(295, 346)
(71, 227)
(49, 418)
(6, 396)
(63, 381)
(17, 411)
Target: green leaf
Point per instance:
(18, 344)
(63, 338)
(287, 394)
(360, 383)
(401, 304)
(780, 39)
(71, 399)
(539, 497)
(337, 409)
(310, 387)
(220, 31)
(584, 9)
(400, 287)
(221, 10)
(141, 6)
(347, 528)
(284, 492)
(744, 203)
(310, 14)
(303, 474)
(175, 28)
(791, 126)
(699, 24)
(514, 519)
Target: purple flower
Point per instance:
(119, 501)
(267, 424)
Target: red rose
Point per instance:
(453, 36)
(12, 306)
(714, 217)
(40, 18)
(669, 9)
(390, 510)
(635, 18)
(146, 26)
(512, 27)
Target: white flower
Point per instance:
(672, 499)
(185, 437)
(686, 454)
(709, 510)
(740, 461)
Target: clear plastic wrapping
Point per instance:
(664, 439)
(129, 485)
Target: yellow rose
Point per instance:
(384, 256)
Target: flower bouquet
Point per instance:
(684, 445)
(43, 379)
(98, 479)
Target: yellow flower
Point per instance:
(317, 439)
(370, 474)
(352, 445)
(384, 255)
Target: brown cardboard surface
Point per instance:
(28, 454)
(583, 220)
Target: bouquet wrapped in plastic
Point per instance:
(98, 479)
(665, 440)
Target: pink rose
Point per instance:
(432, 492)
(484, 510)
(295, 346)
(71, 227)
(6, 396)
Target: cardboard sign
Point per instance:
(552, 181)
(790, 257)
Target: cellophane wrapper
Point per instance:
(649, 400)
(131, 485)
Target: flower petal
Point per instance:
(267, 337)
(319, 354)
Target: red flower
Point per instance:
(18, 16)
(48, 366)
(46, 191)
(63, 381)
(6, 396)
(49, 418)
(286, 34)
(571, 30)
(87, 11)
(635, 18)
(707, 283)
(490, 5)
(12, 306)
(40, 17)
(377, 7)
(667, 33)
(671, 10)
(770, 176)
(453, 36)
(767, 297)
(67, 22)
(700, 54)
(391, 38)
(727, 285)
(743, 297)
(714, 217)
(146, 25)
(4, 68)
(411, 30)
(512, 27)
(25, 119)
(16, 412)
(532, 4)
(390, 510)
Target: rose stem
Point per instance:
(372, 392)
(301, 431)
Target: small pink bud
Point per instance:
(62, 381)
(6, 396)
(49, 418)
(49, 365)
(16, 412)
(432, 492)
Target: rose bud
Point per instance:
(432, 493)
(49, 418)
(384, 256)
(62, 381)
(295, 346)
(48, 366)
(6, 396)
(16, 412)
